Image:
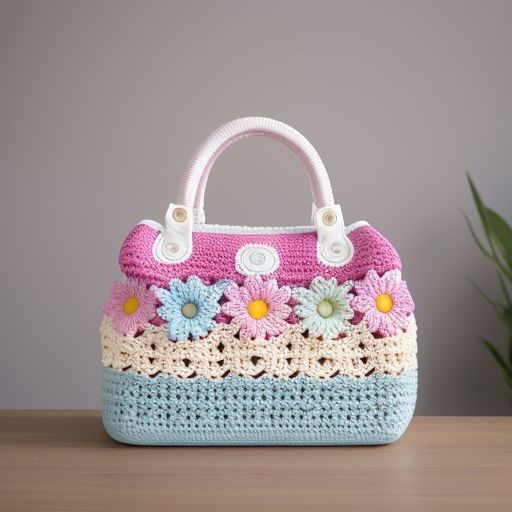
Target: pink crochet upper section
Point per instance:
(213, 257)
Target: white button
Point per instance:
(172, 248)
(339, 249)
(253, 259)
(179, 214)
(258, 258)
(329, 218)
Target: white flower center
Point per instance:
(325, 308)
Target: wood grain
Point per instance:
(63, 460)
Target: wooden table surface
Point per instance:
(64, 461)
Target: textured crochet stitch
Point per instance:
(239, 411)
(308, 354)
(396, 299)
(214, 257)
(202, 298)
(132, 304)
(324, 307)
(271, 300)
(288, 355)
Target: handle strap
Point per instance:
(174, 245)
(196, 174)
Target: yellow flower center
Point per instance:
(131, 304)
(325, 308)
(189, 310)
(257, 309)
(384, 303)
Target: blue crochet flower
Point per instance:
(190, 307)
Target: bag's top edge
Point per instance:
(215, 255)
(242, 230)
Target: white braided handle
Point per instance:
(195, 177)
(174, 245)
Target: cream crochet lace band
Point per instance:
(358, 354)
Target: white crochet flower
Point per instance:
(324, 307)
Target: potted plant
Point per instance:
(497, 248)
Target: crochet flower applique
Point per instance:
(259, 307)
(190, 307)
(324, 307)
(384, 301)
(131, 305)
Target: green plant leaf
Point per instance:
(504, 313)
(495, 305)
(500, 235)
(491, 236)
(476, 239)
(506, 316)
(480, 206)
(510, 350)
(505, 368)
(504, 289)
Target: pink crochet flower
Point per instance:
(259, 307)
(131, 306)
(385, 302)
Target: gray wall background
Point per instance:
(103, 103)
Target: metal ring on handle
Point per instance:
(196, 174)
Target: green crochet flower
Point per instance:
(324, 307)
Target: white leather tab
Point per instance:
(333, 245)
(174, 244)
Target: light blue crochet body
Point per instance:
(266, 411)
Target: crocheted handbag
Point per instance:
(234, 335)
